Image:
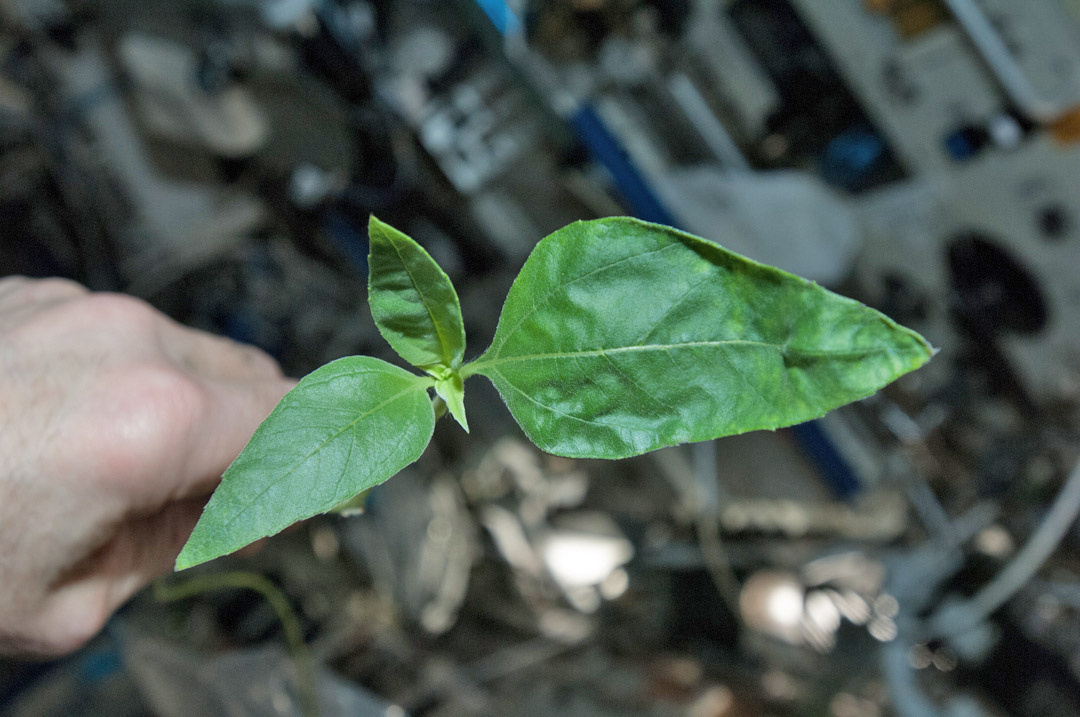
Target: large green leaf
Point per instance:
(346, 427)
(619, 337)
(412, 300)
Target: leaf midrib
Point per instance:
(481, 365)
(445, 351)
(540, 302)
(351, 424)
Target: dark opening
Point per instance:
(992, 290)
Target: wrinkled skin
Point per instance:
(116, 423)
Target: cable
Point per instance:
(954, 619)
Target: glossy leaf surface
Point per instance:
(344, 428)
(412, 300)
(619, 337)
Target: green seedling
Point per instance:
(617, 338)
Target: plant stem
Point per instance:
(290, 623)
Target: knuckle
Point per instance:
(56, 286)
(164, 396)
(19, 292)
(259, 361)
(30, 291)
(119, 310)
(152, 409)
(12, 282)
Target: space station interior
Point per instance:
(915, 553)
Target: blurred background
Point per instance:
(913, 554)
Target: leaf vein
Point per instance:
(480, 366)
(768, 402)
(444, 345)
(345, 464)
(563, 413)
(315, 450)
(638, 386)
(656, 324)
(546, 299)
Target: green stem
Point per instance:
(290, 623)
(472, 368)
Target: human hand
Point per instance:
(116, 423)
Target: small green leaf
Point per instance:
(619, 337)
(412, 300)
(346, 427)
(452, 390)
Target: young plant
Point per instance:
(618, 337)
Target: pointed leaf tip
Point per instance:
(346, 427)
(619, 337)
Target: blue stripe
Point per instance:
(606, 150)
(501, 16)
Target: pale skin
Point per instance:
(116, 424)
